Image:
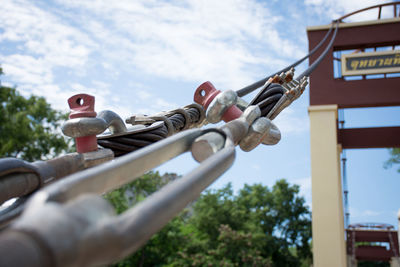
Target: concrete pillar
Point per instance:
(329, 248)
(395, 262)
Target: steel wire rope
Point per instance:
(269, 96)
(124, 144)
(315, 64)
(266, 100)
(250, 88)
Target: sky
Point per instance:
(146, 56)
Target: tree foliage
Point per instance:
(257, 226)
(28, 126)
(394, 158)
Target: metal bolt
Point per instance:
(273, 136)
(257, 131)
(251, 114)
(207, 145)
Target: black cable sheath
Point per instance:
(315, 64)
(250, 88)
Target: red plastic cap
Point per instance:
(81, 105)
(205, 93)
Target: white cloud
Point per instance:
(221, 41)
(337, 8)
(290, 121)
(188, 40)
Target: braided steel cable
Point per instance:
(129, 142)
(267, 99)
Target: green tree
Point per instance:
(162, 247)
(394, 158)
(256, 227)
(277, 221)
(28, 126)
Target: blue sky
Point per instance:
(148, 56)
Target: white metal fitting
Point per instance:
(257, 131)
(219, 105)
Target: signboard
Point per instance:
(371, 63)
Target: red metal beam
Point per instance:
(380, 137)
(373, 253)
(325, 90)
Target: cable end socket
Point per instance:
(207, 145)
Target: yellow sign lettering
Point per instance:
(396, 60)
(388, 61)
(372, 63)
(363, 63)
(354, 64)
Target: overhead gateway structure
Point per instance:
(362, 69)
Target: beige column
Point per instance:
(327, 208)
(395, 262)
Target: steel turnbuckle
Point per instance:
(71, 210)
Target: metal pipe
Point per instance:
(118, 237)
(17, 185)
(122, 170)
(84, 232)
(22, 250)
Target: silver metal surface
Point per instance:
(273, 137)
(251, 114)
(241, 104)
(138, 128)
(295, 90)
(84, 230)
(86, 126)
(257, 131)
(159, 117)
(219, 105)
(129, 231)
(22, 184)
(113, 121)
(17, 185)
(122, 170)
(207, 145)
(62, 228)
